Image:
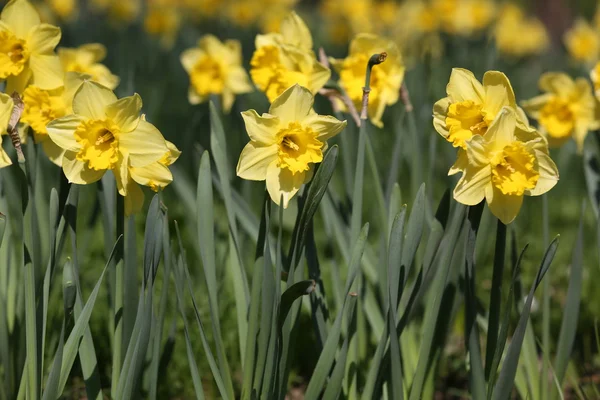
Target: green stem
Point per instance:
(118, 296)
(545, 306)
(495, 298)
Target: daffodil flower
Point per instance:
(27, 49)
(44, 106)
(471, 107)
(286, 58)
(501, 166)
(566, 110)
(215, 68)
(583, 42)
(286, 143)
(105, 133)
(386, 78)
(86, 59)
(6, 108)
(518, 35)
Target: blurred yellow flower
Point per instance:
(163, 21)
(565, 110)
(471, 107)
(215, 68)
(105, 133)
(286, 143)
(44, 106)
(418, 36)
(519, 36)
(501, 166)
(583, 42)
(386, 78)
(64, 9)
(243, 12)
(6, 108)
(120, 11)
(595, 77)
(286, 58)
(464, 17)
(86, 59)
(27, 49)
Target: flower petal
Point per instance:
(504, 207)
(121, 173)
(440, 113)
(557, 83)
(296, 33)
(189, 58)
(261, 129)
(18, 83)
(502, 130)
(325, 126)
(134, 201)
(319, 76)
(255, 160)
(144, 145)
(54, 152)
(155, 175)
(534, 106)
(548, 174)
(91, 100)
(47, 72)
(43, 38)
(461, 164)
(78, 172)
(20, 16)
(470, 189)
(62, 132)
(283, 183)
(125, 112)
(6, 108)
(498, 93)
(464, 86)
(293, 104)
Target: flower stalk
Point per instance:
(374, 60)
(13, 132)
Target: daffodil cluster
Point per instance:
(286, 143)
(287, 58)
(501, 157)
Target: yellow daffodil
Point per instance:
(6, 108)
(583, 42)
(595, 77)
(105, 133)
(27, 49)
(120, 11)
(65, 9)
(44, 106)
(519, 36)
(156, 175)
(464, 17)
(215, 68)
(286, 143)
(386, 78)
(565, 110)
(418, 36)
(163, 21)
(286, 58)
(504, 164)
(86, 59)
(471, 107)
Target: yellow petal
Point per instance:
(54, 152)
(145, 144)
(121, 173)
(477, 152)
(125, 112)
(282, 183)
(5, 160)
(498, 93)
(47, 72)
(62, 130)
(134, 201)
(20, 16)
(502, 130)
(194, 97)
(464, 86)
(325, 126)
(548, 177)
(18, 83)
(97, 51)
(504, 207)
(255, 160)
(293, 104)
(319, 76)
(174, 153)
(78, 172)
(534, 106)
(91, 100)
(6, 108)
(470, 189)
(462, 162)
(73, 81)
(557, 83)
(189, 58)
(261, 129)
(155, 175)
(43, 38)
(238, 81)
(440, 113)
(295, 32)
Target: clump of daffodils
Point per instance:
(386, 79)
(518, 35)
(215, 68)
(565, 110)
(286, 58)
(286, 143)
(103, 134)
(500, 156)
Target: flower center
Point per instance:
(298, 148)
(13, 54)
(208, 76)
(99, 143)
(464, 120)
(41, 108)
(514, 169)
(558, 119)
